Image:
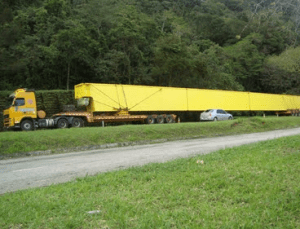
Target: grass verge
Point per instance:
(57, 139)
(253, 186)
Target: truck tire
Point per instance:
(169, 119)
(27, 125)
(62, 123)
(77, 122)
(160, 119)
(150, 119)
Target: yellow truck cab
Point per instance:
(20, 110)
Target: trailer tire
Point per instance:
(169, 119)
(160, 119)
(77, 122)
(62, 123)
(27, 125)
(150, 119)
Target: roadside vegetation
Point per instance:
(62, 140)
(253, 186)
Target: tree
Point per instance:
(74, 45)
(275, 18)
(282, 73)
(246, 62)
(289, 60)
(209, 22)
(218, 74)
(133, 35)
(171, 61)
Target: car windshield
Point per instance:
(9, 102)
(208, 111)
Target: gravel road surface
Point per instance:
(40, 171)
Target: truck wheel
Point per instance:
(27, 125)
(62, 123)
(169, 119)
(150, 119)
(77, 122)
(160, 119)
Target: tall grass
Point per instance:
(56, 139)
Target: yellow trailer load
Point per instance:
(114, 97)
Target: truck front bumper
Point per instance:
(9, 124)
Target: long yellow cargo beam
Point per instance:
(113, 97)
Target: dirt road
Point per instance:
(40, 171)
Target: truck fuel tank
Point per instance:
(44, 123)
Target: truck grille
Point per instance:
(6, 122)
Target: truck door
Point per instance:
(19, 106)
(23, 107)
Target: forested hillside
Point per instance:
(250, 45)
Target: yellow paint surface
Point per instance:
(202, 99)
(112, 97)
(266, 102)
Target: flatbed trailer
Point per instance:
(90, 118)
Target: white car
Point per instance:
(215, 115)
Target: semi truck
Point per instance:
(147, 104)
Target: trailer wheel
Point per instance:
(62, 123)
(160, 119)
(169, 119)
(77, 122)
(26, 125)
(150, 119)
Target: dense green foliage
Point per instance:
(217, 44)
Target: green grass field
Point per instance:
(253, 186)
(56, 139)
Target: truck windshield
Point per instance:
(9, 102)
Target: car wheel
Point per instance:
(230, 118)
(27, 125)
(62, 123)
(215, 119)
